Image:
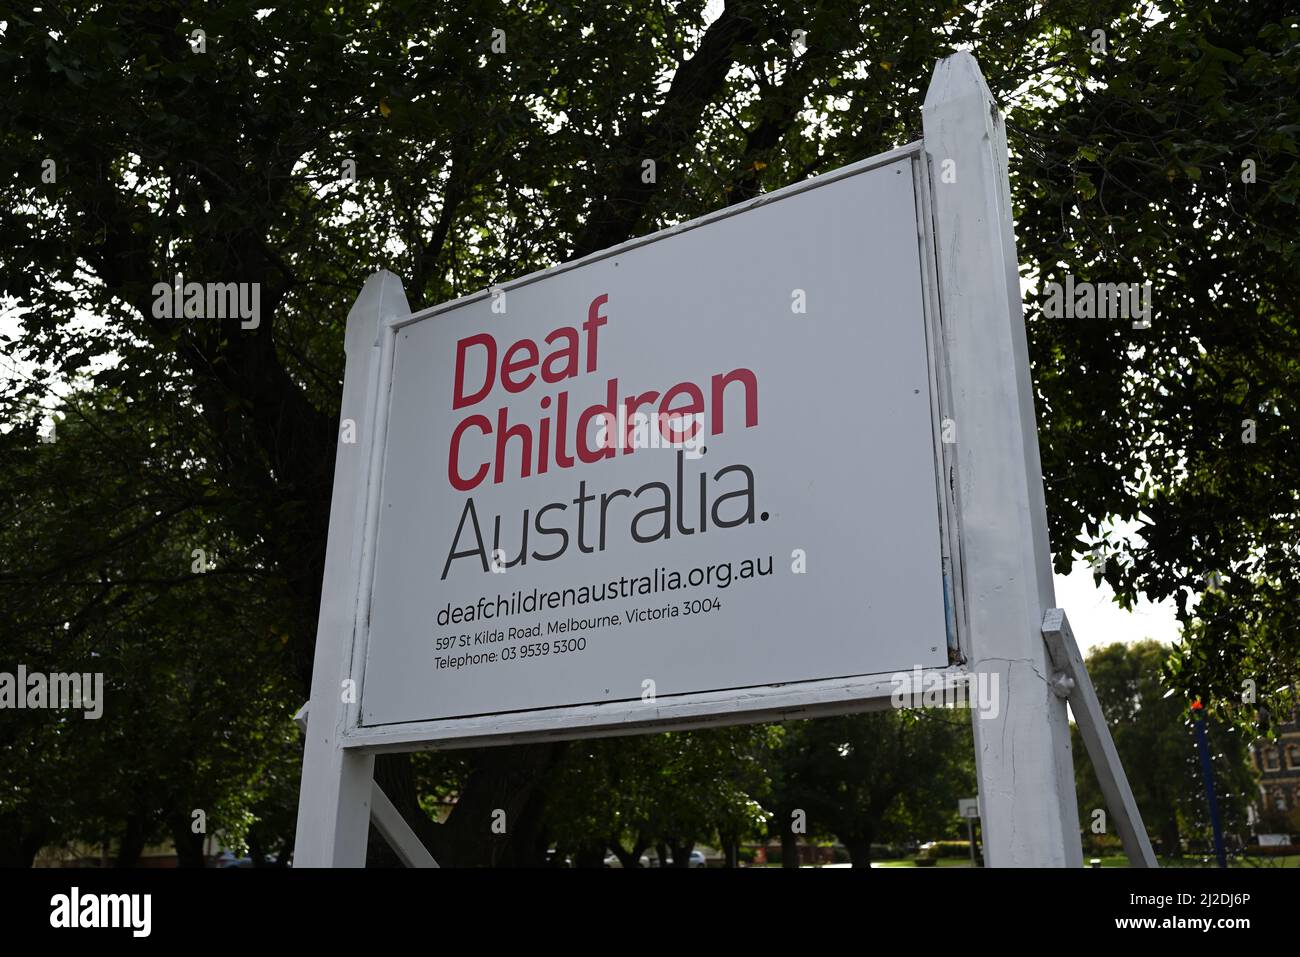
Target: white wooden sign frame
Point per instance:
(680, 711)
(993, 514)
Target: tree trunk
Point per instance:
(255, 851)
(590, 855)
(682, 854)
(189, 846)
(529, 841)
(859, 850)
(18, 847)
(1170, 840)
(789, 849)
(630, 858)
(132, 843)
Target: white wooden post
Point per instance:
(335, 795)
(1026, 775)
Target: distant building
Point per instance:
(78, 854)
(1278, 764)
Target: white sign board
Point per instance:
(706, 461)
(513, 556)
(968, 807)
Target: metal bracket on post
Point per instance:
(1072, 678)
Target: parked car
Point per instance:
(697, 860)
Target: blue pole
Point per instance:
(1207, 771)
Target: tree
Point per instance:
(668, 791)
(880, 776)
(1172, 159)
(192, 730)
(134, 150)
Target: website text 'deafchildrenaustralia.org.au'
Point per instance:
(596, 605)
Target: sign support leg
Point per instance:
(1022, 737)
(334, 800)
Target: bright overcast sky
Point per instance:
(1097, 620)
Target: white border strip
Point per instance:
(807, 699)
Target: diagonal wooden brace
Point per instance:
(388, 821)
(1072, 683)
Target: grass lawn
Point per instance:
(911, 862)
